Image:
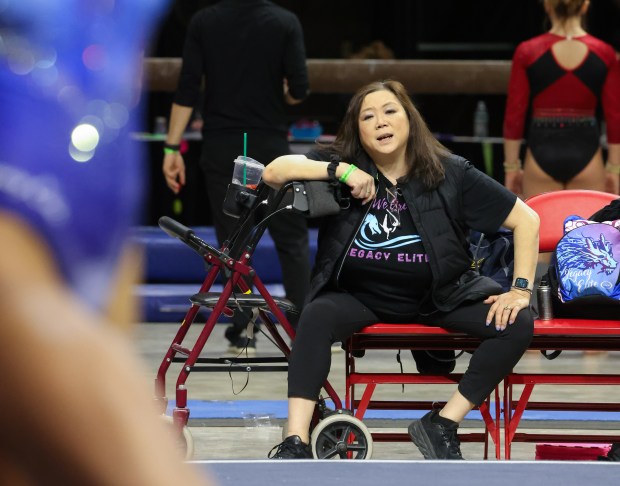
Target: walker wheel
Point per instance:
(341, 436)
(184, 440)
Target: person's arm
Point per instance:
(296, 85)
(287, 95)
(513, 172)
(185, 98)
(179, 119)
(299, 168)
(517, 102)
(524, 223)
(612, 168)
(611, 107)
(78, 410)
(174, 165)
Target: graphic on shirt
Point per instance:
(386, 227)
(387, 266)
(373, 235)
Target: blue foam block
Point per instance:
(170, 302)
(169, 260)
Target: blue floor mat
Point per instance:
(264, 410)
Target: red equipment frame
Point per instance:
(233, 262)
(557, 334)
(562, 333)
(412, 337)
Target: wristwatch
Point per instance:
(521, 283)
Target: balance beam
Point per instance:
(346, 76)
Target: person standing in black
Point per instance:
(251, 56)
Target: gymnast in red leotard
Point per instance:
(561, 77)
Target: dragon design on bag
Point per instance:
(586, 253)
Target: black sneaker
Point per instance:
(242, 347)
(435, 441)
(613, 454)
(232, 333)
(291, 448)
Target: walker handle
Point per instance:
(175, 229)
(187, 236)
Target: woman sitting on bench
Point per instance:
(398, 254)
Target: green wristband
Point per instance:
(345, 176)
(168, 151)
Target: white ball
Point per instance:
(85, 137)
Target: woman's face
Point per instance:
(383, 125)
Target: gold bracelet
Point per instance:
(512, 166)
(612, 168)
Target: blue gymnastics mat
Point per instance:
(277, 409)
(435, 473)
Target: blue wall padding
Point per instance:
(174, 272)
(168, 260)
(170, 302)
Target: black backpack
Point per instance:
(493, 256)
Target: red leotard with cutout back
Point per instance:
(539, 82)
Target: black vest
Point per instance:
(436, 214)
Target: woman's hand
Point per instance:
(174, 171)
(513, 181)
(362, 185)
(612, 183)
(505, 307)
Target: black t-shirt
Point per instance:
(393, 285)
(386, 266)
(244, 50)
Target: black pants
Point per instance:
(334, 316)
(289, 230)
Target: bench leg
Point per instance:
(365, 401)
(511, 421)
(491, 425)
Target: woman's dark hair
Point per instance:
(423, 151)
(565, 9)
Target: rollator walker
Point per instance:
(336, 433)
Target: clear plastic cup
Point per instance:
(247, 172)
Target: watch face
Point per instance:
(521, 283)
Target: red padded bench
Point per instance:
(411, 337)
(562, 334)
(556, 334)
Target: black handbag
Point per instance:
(317, 199)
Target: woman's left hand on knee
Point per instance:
(505, 307)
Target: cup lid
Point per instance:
(249, 161)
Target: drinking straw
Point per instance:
(245, 151)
